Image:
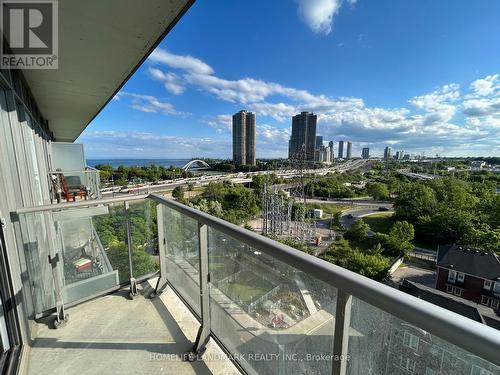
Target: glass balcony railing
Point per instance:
(273, 309)
(73, 185)
(76, 251)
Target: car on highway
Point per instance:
(382, 208)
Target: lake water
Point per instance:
(138, 162)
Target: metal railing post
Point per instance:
(133, 284)
(341, 335)
(204, 331)
(55, 258)
(162, 253)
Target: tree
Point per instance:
(358, 230)
(398, 241)
(378, 191)
(483, 237)
(178, 193)
(402, 231)
(142, 262)
(415, 203)
(372, 265)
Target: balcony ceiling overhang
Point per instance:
(101, 44)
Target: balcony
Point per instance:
(71, 179)
(144, 278)
(73, 185)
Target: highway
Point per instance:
(236, 178)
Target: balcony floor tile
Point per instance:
(115, 335)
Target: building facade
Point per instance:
(324, 155)
(244, 138)
(341, 150)
(302, 144)
(365, 153)
(387, 153)
(332, 152)
(349, 150)
(319, 141)
(471, 274)
(42, 112)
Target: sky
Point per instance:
(417, 75)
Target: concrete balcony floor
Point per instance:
(115, 335)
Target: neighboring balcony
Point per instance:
(170, 279)
(74, 185)
(70, 179)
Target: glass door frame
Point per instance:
(9, 323)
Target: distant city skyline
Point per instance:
(180, 102)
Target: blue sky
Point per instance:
(417, 75)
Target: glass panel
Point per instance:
(32, 160)
(36, 252)
(92, 249)
(89, 264)
(112, 234)
(4, 341)
(271, 317)
(144, 238)
(181, 234)
(381, 343)
(67, 156)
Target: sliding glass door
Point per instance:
(4, 340)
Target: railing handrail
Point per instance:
(468, 334)
(85, 203)
(472, 336)
(86, 170)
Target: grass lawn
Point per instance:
(247, 287)
(379, 222)
(245, 292)
(382, 222)
(330, 208)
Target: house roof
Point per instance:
(469, 309)
(484, 264)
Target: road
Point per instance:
(236, 178)
(349, 216)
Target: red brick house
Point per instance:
(470, 273)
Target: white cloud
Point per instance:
(145, 144)
(188, 63)
(482, 107)
(438, 104)
(151, 104)
(271, 134)
(319, 14)
(436, 99)
(221, 122)
(173, 83)
(430, 122)
(254, 93)
(485, 86)
(279, 111)
(264, 132)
